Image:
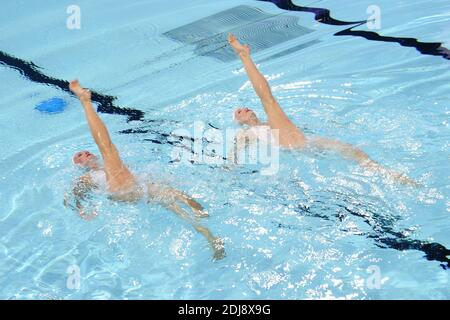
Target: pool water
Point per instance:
(320, 228)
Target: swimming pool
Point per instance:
(320, 228)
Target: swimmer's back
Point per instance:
(99, 179)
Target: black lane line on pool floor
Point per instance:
(387, 237)
(324, 16)
(31, 71)
(105, 102)
(383, 228)
(433, 251)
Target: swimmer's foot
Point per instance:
(405, 180)
(219, 249)
(193, 204)
(197, 208)
(201, 213)
(389, 174)
(79, 91)
(240, 49)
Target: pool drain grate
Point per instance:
(259, 29)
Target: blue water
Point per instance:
(314, 230)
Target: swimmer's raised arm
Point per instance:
(98, 129)
(119, 177)
(289, 134)
(259, 82)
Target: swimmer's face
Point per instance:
(246, 116)
(84, 159)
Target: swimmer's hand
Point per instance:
(240, 49)
(197, 208)
(79, 91)
(389, 174)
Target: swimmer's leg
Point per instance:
(350, 152)
(216, 243)
(196, 207)
(165, 194)
(389, 174)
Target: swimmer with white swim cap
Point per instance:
(114, 178)
(288, 134)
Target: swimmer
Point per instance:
(288, 134)
(115, 179)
